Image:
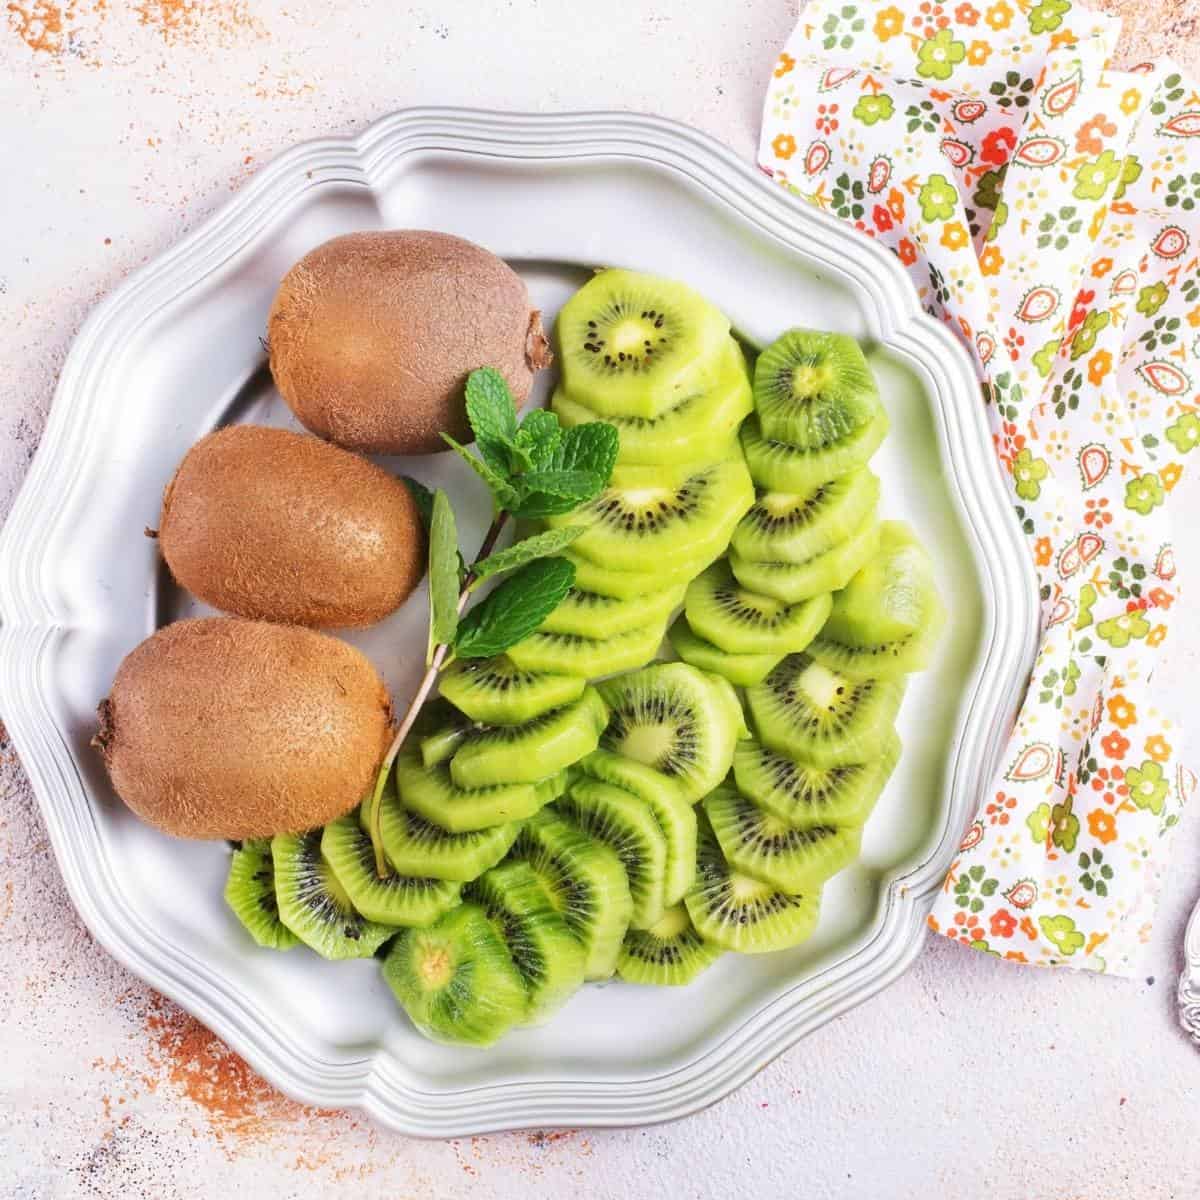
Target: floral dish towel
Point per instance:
(1048, 210)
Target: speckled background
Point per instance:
(122, 125)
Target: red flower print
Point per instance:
(907, 252)
(1110, 784)
(1087, 139)
(882, 218)
(895, 204)
(1114, 745)
(1097, 513)
(966, 14)
(784, 145)
(826, 121)
(998, 145)
(1013, 341)
(999, 810)
(1003, 923)
(1080, 309)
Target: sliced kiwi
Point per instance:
(593, 615)
(456, 979)
(887, 660)
(250, 892)
(740, 621)
(440, 730)
(783, 467)
(804, 795)
(675, 719)
(809, 712)
(495, 691)
(533, 751)
(662, 517)
(814, 390)
(623, 822)
(825, 572)
(738, 912)
(589, 657)
(795, 526)
(742, 669)
(634, 345)
(547, 955)
(701, 427)
(586, 883)
(669, 953)
(626, 585)
(314, 905)
(397, 900)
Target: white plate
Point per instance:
(176, 351)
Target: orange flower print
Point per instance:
(889, 23)
(1114, 744)
(1088, 136)
(999, 16)
(907, 252)
(785, 64)
(954, 236)
(1015, 956)
(1003, 923)
(1158, 748)
(978, 53)
(1161, 598)
(1110, 784)
(1170, 475)
(1043, 551)
(1121, 713)
(933, 923)
(895, 203)
(991, 260)
(966, 14)
(966, 928)
(1029, 929)
(1101, 267)
(1102, 825)
(1099, 365)
(1156, 636)
(1130, 99)
(1193, 317)
(784, 145)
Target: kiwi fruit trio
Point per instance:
(571, 809)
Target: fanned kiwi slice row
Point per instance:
(740, 621)
(806, 711)
(804, 795)
(456, 979)
(668, 518)
(782, 467)
(250, 892)
(793, 527)
(495, 691)
(314, 905)
(589, 657)
(814, 389)
(592, 615)
(547, 955)
(633, 345)
(397, 900)
(439, 731)
(741, 669)
(738, 912)
(670, 953)
(675, 719)
(626, 585)
(825, 572)
(703, 426)
(887, 660)
(533, 751)
(759, 844)
(623, 822)
(586, 883)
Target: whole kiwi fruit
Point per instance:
(225, 728)
(280, 526)
(372, 336)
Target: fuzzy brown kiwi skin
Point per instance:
(224, 728)
(372, 336)
(279, 526)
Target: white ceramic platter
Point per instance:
(175, 352)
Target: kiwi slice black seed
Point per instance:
(670, 953)
(740, 669)
(495, 691)
(782, 467)
(592, 615)
(250, 892)
(589, 657)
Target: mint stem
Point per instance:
(436, 662)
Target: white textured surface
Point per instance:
(968, 1077)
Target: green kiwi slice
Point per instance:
(806, 711)
(675, 719)
(592, 615)
(397, 900)
(495, 691)
(314, 905)
(783, 467)
(740, 621)
(623, 822)
(250, 892)
(626, 585)
(887, 660)
(741, 669)
(586, 883)
(589, 657)
(804, 795)
(633, 345)
(703, 426)
(547, 955)
(737, 912)
(456, 980)
(825, 572)
(795, 526)
(814, 390)
(668, 954)
(757, 843)
(533, 751)
(670, 518)
(440, 730)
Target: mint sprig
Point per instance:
(515, 609)
(540, 545)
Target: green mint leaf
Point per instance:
(540, 545)
(515, 609)
(574, 485)
(422, 498)
(492, 416)
(546, 437)
(591, 448)
(521, 451)
(443, 571)
(502, 491)
(533, 505)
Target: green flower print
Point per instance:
(971, 886)
(1131, 171)
(1093, 178)
(937, 198)
(1096, 874)
(1029, 473)
(1059, 825)
(1048, 15)
(1043, 360)
(1144, 494)
(1085, 336)
(872, 109)
(1038, 823)
(987, 190)
(999, 219)
(1184, 433)
(1117, 631)
(1062, 933)
(1087, 598)
(939, 55)
(1070, 676)
(1147, 787)
(1151, 298)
